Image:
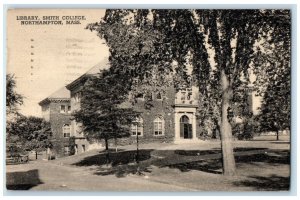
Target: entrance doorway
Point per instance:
(186, 131)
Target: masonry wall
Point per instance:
(57, 121)
(160, 108)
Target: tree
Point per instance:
(32, 133)
(219, 45)
(101, 113)
(273, 81)
(13, 99)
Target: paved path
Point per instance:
(65, 178)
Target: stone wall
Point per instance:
(57, 121)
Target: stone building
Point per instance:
(171, 118)
(56, 109)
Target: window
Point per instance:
(78, 129)
(184, 119)
(69, 109)
(65, 109)
(148, 96)
(139, 96)
(77, 97)
(158, 96)
(62, 109)
(66, 130)
(137, 127)
(159, 126)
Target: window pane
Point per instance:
(62, 108)
(158, 96)
(158, 126)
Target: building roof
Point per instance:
(63, 94)
(104, 64)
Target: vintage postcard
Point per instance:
(148, 100)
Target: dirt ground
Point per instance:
(263, 164)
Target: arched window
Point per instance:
(159, 126)
(184, 119)
(66, 130)
(137, 127)
(158, 96)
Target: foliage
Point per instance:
(219, 45)
(71, 145)
(31, 133)
(273, 81)
(101, 113)
(13, 99)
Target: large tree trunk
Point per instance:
(36, 154)
(225, 126)
(277, 135)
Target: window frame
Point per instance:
(137, 124)
(159, 94)
(69, 110)
(65, 126)
(159, 126)
(62, 110)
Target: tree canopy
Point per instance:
(31, 133)
(13, 99)
(101, 112)
(221, 46)
(273, 80)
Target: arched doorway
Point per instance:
(186, 130)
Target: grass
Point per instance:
(261, 165)
(255, 166)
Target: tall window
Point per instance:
(159, 126)
(62, 108)
(77, 97)
(69, 109)
(137, 127)
(66, 130)
(158, 96)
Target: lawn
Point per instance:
(263, 164)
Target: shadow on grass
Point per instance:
(272, 183)
(274, 157)
(117, 158)
(22, 180)
(124, 163)
(214, 151)
(213, 166)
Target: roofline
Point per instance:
(73, 84)
(48, 100)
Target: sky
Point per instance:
(45, 58)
